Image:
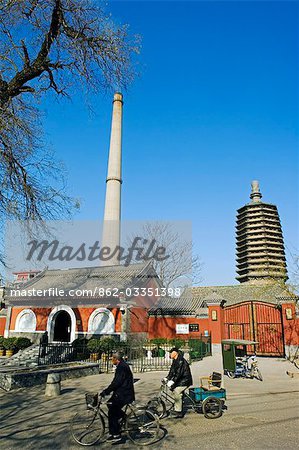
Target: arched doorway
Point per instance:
(62, 327)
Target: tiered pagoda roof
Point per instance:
(260, 246)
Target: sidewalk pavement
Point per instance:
(260, 415)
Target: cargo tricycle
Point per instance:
(207, 400)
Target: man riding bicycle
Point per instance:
(122, 389)
(178, 380)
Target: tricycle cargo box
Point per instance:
(198, 394)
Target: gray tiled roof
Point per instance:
(182, 305)
(213, 297)
(266, 292)
(88, 278)
(193, 301)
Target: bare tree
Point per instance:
(182, 267)
(49, 46)
(293, 286)
(295, 273)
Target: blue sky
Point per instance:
(215, 106)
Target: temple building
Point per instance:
(68, 317)
(261, 307)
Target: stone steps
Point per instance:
(27, 357)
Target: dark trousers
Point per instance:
(44, 350)
(115, 413)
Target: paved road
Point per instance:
(260, 415)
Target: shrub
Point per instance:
(81, 350)
(80, 343)
(121, 346)
(10, 343)
(108, 344)
(197, 346)
(158, 352)
(1, 342)
(195, 354)
(94, 345)
(177, 342)
(22, 342)
(158, 341)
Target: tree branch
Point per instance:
(53, 84)
(26, 55)
(40, 64)
(32, 8)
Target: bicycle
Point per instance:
(88, 427)
(243, 370)
(198, 400)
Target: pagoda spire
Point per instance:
(255, 192)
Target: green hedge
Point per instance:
(10, 343)
(22, 342)
(197, 346)
(158, 352)
(195, 354)
(104, 344)
(108, 344)
(93, 345)
(177, 342)
(159, 341)
(80, 343)
(14, 343)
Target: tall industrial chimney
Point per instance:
(112, 213)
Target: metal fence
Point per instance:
(56, 354)
(199, 348)
(142, 357)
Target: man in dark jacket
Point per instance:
(122, 389)
(178, 380)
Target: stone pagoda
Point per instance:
(260, 246)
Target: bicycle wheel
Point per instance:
(258, 374)
(212, 407)
(230, 374)
(87, 427)
(157, 406)
(142, 427)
